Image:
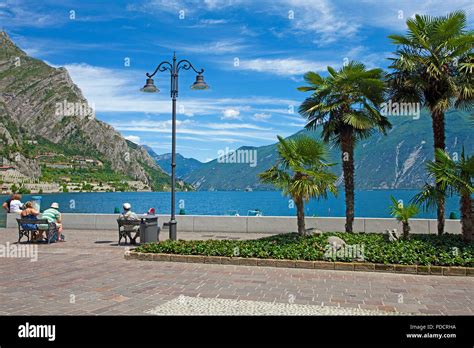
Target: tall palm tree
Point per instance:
(346, 105)
(434, 66)
(301, 172)
(451, 177)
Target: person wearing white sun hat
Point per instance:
(53, 215)
(128, 214)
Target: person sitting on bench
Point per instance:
(53, 215)
(29, 212)
(128, 214)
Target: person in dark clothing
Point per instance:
(6, 204)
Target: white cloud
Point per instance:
(133, 138)
(370, 58)
(117, 90)
(213, 47)
(218, 4)
(201, 132)
(259, 116)
(234, 126)
(386, 14)
(213, 21)
(321, 18)
(14, 14)
(226, 132)
(336, 21)
(284, 67)
(189, 6)
(230, 114)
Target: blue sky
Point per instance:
(254, 54)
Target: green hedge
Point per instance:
(446, 250)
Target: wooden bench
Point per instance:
(27, 226)
(123, 233)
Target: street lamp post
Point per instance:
(150, 87)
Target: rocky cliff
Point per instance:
(42, 103)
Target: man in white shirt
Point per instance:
(128, 214)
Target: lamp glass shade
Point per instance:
(149, 87)
(199, 83)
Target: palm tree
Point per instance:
(450, 178)
(403, 214)
(434, 66)
(346, 103)
(301, 173)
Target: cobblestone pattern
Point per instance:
(184, 305)
(89, 275)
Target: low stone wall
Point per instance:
(326, 265)
(254, 224)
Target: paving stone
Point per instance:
(103, 282)
(199, 306)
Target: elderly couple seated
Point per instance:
(52, 215)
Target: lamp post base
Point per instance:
(173, 229)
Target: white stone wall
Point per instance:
(254, 224)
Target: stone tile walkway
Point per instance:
(184, 305)
(89, 275)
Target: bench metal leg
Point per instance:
(122, 235)
(22, 234)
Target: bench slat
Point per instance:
(33, 221)
(128, 222)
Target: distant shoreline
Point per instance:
(78, 192)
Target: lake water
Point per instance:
(372, 203)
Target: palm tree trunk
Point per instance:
(300, 216)
(467, 217)
(439, 143)
(347, 147)
(406, 230)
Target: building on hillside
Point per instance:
(43, 187)
(84, 161)
(11, 175)
(58, 165)
(138, 185)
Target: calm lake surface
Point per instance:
(372, 203)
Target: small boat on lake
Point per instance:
(256, 212)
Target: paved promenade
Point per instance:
(89, 275)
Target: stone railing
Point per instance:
(254, 224)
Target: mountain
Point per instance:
(43, 114)
(184, 165)
(392, 161)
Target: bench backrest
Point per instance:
(122, 222)
(32, 221)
